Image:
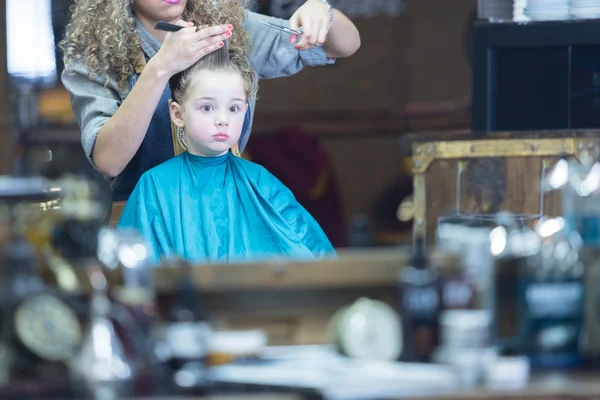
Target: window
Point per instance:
(30, 39)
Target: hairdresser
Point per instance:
(117, 68)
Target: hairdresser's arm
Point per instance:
(121, 136)
(340, 38)
(343, 39)
(272, 55)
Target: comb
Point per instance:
(167, 27)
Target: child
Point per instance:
(207, 204)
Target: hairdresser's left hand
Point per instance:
(313, 18)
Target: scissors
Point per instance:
(282, 28)
(167, 27)
(285, 29)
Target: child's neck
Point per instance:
(205, 154)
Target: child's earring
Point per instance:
(181, 137)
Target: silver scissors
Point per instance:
(285, 29)
(282, 28)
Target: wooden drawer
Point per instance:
(477, 176)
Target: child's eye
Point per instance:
(206, 108)
(234, 108)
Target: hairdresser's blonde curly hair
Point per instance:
(102, 33)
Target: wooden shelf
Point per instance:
(370, 268)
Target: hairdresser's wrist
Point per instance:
(158, 70)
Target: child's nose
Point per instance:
(221, 119)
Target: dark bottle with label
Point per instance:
(82, 217)
(582, 217)
(552, 296)
(419, 304)
(360, 232)
(188, 335)
(591, 341)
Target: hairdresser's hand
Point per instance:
(313, 17)
(182, 49)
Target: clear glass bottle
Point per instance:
(187, 335)
(513, 245)
(102, 370)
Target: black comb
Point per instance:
(167, 27)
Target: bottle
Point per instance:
(81, 218)
(552, 298)
(580, 192)
(419, 304)
(187, 335)
(470, 284)
(591, 348)
(361, 235)
(127, 251)
(458, 293)
(513, 246)
(106, 373)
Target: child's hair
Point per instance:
(219, 60)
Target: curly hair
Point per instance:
(221, 59)
(103, 35)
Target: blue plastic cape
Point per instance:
(221, 209)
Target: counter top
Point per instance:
(551, 385)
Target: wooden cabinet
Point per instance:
(470, 175)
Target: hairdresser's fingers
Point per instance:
(186, 32)
(306, 35)
(310, 36)
(323, 30)
(208, 49)
(187, 27)
(184, 23)
(314, 33)
(211, 41)
(321, 25)
(214, 39)
(214, 31)
(294, 24)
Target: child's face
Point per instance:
(212, 112)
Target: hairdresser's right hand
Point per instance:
(182, 49)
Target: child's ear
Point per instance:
(246, 108)
(176, 114)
